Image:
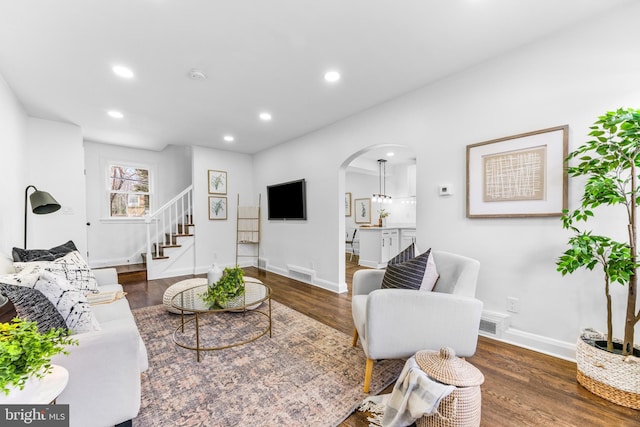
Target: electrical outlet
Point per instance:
(513, 305)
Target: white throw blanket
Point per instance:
(414, 396)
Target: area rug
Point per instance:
(306, 374)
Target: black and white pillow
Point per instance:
(72, 266)
(28, 255)
(31, 304)
(406, 275)
(70, 302)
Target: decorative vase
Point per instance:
(214, 274)
(379, 222)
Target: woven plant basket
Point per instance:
(611, 376)
(462, 408)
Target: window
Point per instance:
(128, 191)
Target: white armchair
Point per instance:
(396, 323)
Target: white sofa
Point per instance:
(105, 368)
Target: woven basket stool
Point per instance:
(463, 406)
(180, 286)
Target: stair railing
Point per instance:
(164, 223)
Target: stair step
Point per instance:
(131, 273)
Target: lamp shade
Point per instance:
(43, 203)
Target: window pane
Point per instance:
(129, 179)
(129, 205)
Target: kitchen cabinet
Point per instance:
(378, 245)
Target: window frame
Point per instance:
(151, 170)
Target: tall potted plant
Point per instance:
(610, 162)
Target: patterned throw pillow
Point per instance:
(406, 275)
(31, 304)
(70, 302)
(408, 253)
(71, 266)
(28, 255)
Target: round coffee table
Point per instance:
(189, 301)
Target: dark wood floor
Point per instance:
(522, 387)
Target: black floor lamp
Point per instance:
(41, 203)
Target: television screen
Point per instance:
(287, 200)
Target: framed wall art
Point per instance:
(362, 211)
(518, 176)
(217, 182)
(347, 204)
(217, 207)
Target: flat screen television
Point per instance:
(287, 201)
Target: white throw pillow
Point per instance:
(71, 266)
(70, 302)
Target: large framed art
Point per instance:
(518, 176)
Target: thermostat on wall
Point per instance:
(445, 190)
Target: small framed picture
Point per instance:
(217, 207)
(217, 182)
(347, 204)
(362, 209)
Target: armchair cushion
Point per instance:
(408, 253)
(406, 275)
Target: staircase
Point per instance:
(170, 238)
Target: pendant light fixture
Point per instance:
(381, 196)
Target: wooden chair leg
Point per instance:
(355, 338)
(368, 371)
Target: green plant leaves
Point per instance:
(230, 285)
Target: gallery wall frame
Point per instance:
(347, 204)
(217, 182)
(523, 175)
(217, 207)
(362, 211)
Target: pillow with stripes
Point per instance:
(406, 275)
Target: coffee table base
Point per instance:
(196, 318)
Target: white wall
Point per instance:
(116, 241)
(56, 165)
(216, 239)
(567, 79)
(13, 151)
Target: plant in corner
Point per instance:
(25, 352)
(609, 161)
(230, 285)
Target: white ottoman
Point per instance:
(180, 286)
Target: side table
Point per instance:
(39, 392)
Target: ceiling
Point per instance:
(57, 57)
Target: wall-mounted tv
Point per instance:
(287, 201)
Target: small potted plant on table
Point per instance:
(26, 353)
(609, 162)
(230, 286)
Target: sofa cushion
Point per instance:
(31, 304)
(70, 302)
(71, 266)
(27, 255)
(406, 275)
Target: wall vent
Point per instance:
(300, 273)
(493, 323)
(262, 263)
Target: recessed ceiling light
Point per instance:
(332, 76)
(265, 116)
(123, 72)
(115, 114)
(391, 154)
(228, 138)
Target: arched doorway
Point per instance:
(359, 178)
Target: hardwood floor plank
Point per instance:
(522, 387)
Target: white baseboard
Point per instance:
(539, 343)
